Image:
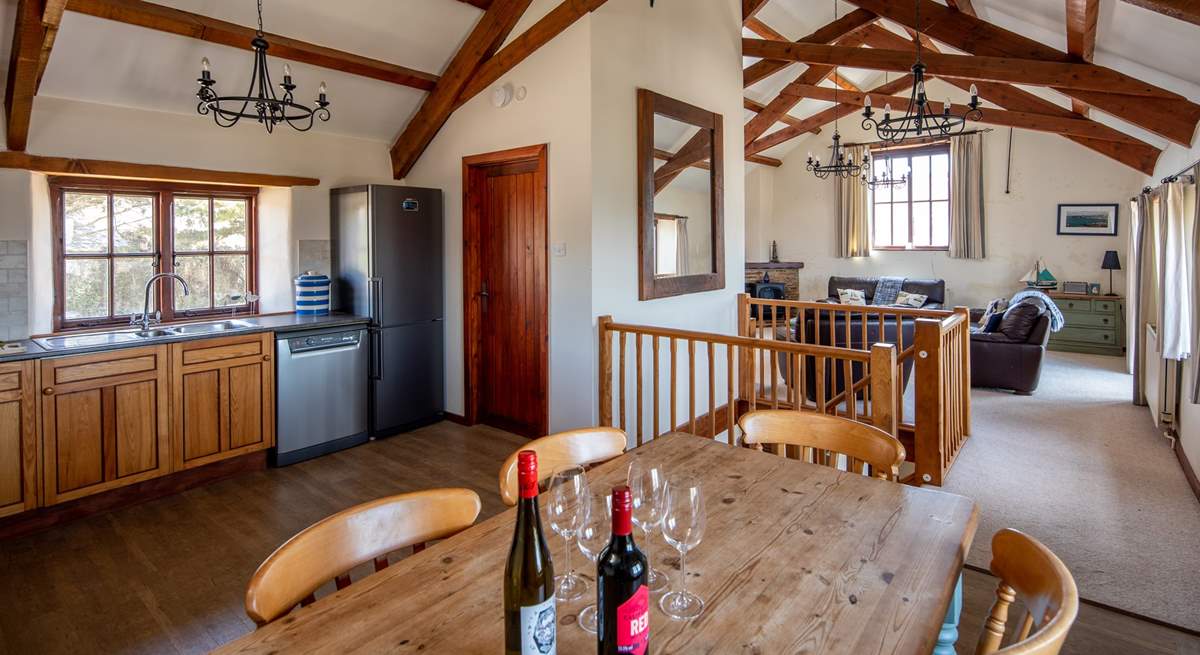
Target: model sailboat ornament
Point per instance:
(1039, 277)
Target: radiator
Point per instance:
(1161, 381)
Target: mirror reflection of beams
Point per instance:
(680, 197)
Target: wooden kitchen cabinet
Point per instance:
(19, 473)
(104, 421)
(222, 398)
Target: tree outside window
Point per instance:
(913, 216)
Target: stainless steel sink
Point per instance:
(124, 336)
(205, 328)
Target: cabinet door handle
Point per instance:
(266, 358)
(47, 391)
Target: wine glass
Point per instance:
(683, 527)
(568, 497)
(593, 535)
(647, 485)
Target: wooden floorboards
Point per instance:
(168, 576)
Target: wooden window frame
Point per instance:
(164, 251)
(940, 147)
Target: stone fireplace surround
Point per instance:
(787, 273)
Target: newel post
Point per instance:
(929, 428)
(965, 363)
(605, 371)
(883, 387)
(745, 362)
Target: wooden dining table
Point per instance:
(795, 558)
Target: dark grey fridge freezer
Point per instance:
(388, 265)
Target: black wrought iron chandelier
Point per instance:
(919, 120)
(260, 102)
(840, 166)
(886, 181)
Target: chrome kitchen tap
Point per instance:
(146, 320)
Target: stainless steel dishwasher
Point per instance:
(321, 399)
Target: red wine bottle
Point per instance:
(530, 622)
(623, 603)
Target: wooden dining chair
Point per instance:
(331, 547)
(572, 448)
(823, 437)
(1028, 569)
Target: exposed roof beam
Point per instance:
(29, 49)
(538, 35)
(843, 83)
(696, 150)
(1024, 120)
(127, 170)
(1136, 154)
(1173, 119)
(185, 23)
(782, 104)
(1082, 16)
(975, 67)
(762, 29)
(822, 118)
(1188, 10)
(482, 4)
(51, 19)
(483, 42)
(827, 34)
(758, 107)
(750, 8)
(665, 155)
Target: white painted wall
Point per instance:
(661, 49)
(1046, 170)
(556, 112)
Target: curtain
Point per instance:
(853, 227)
(1194, 277)
(1175, 306)
(681, 246)
(1139, 218)
(966, 197)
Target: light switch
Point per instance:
(559, 249)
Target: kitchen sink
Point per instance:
(125, 335)
(205, 328)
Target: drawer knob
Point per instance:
(1106, 320)
(266, 358)
(48, 391)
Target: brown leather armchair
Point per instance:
(999, 361)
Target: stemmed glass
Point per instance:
(683, 527)
(568, 497)
(647, 485)
(594, 534)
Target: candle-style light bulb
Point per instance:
(321, 89)
(867, 102)
(287, 70)
(974, 90)
(204, 64)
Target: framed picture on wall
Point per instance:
(1088, 220)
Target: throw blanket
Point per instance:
(886, 290)
(1056, 318)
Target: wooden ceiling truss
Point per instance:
(996, 61)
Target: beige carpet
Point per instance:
(1079, 467)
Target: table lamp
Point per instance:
(1111, 263)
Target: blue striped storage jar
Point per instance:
(312, 294)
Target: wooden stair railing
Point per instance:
(641, 365)
(935, 354)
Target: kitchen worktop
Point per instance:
(280, 323)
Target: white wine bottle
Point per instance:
(530, 620)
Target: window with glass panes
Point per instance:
(113, 235)
(913, 216)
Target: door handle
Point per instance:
(376, 290)
(376, 337)
(484, 295)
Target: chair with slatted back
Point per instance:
(330, 548)
(584, 447)
(1027, 569)
(822, 438)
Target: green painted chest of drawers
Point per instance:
(1094, 324)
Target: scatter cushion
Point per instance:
(906, 299)
(852, 297)
(1018, 322)
(995, 309)
(993, 322)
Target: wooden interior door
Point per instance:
(506, 290)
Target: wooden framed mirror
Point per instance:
(681, 200)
